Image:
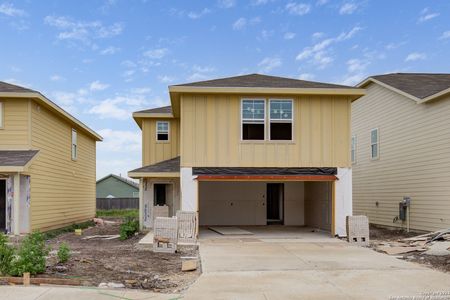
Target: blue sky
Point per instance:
(103, 59)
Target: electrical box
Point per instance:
(403, 208)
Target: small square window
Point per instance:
(162, 131)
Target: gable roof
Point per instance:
(262, 81)
(420, 87)
(16, 160)
(124, 180)
(157, 110)
(12, 91)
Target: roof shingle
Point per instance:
(12, 88)
(157, 110)
(16, 158)
(166, 166)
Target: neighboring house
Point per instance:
(401, 148)
(113, 186)
(250, 150)
(47, 163)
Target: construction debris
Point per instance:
(103, 237)
(439, 249)
(358, 230)
(399, 250)
(189, 265)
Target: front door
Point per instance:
(160, 194)
(275, 195)
(2, 205)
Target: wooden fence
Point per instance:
(117, 203)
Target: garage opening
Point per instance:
(2, 205)
(248, 203)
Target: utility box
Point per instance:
(403, 208)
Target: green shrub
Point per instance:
(128, 228)
(63, 253)
(6, 255)
(31, 255)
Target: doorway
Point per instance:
(2, 205)
(275, 203)
(160, 194)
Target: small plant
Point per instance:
(6, 255)
(31, 256)
(128, 228)
(63, 253)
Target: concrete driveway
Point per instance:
(298, 264)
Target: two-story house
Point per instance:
(47, 163)
(250, 150)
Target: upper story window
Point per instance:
(253, 119)
(162, 131)
(74, 144)
(374, 144)
(1, 114)
(280, 120)
(353, 149)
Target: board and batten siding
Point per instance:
(211, 133)
(14, 135)
(414, 159)
(62, 190)
(155, 151)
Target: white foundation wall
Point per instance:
(189, 190)
(343, 199)
(232, 203)
(294, 203)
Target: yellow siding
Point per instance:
(14, 134)
(155, 151)
(62, 190)
(414, 159)
(211, 134)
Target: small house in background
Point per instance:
(116, 192)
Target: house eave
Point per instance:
(137, 175)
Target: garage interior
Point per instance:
(249, 203)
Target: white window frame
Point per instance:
(243, 120)
(377, 143)
(353, 149)
(281, 120)
(74, 144)
(2, 114)
(158, 132)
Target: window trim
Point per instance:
(74, 154)
(353, 147)
(2, 114)
(264, 119)
(281, 121)
(377, 143)
(168, 132)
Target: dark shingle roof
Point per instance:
(124, 180)
(166, 166)
(158, 110)
(420, 85)
(262, 81)
(16, 158)
(12, 88)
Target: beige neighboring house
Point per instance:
(401, 148)
(47, 163)
(250, 150)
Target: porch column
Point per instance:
(189, 190)
(343, 200)
(16, 204)
(141, 203)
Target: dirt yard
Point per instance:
(383, 236)
(96, 261)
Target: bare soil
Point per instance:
(380, 235)
(95, 261)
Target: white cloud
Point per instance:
(118, 107)
(242, 23)
(201, 73)
(165, 78)
(306, 76)
(269, 63)
(426, 15)
(120, 140)
(9, 10)
(348, 8)
(141, 91)
(197, 15)
(353, 79)
(445, 35)
(156, 53)
(17, 82)
(56, 77)
(226, 3)
(109, 50)
(98, 86)
(356, 65)
(289, 35)
(299, 9)
(414, 56)
(260, 2)
(321, 2)
(81, 31)
(317, 35)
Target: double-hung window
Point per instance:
(374, 144)
(74, 144)
(253, 119)
(280, 119)
(162, 131)
(353, 149)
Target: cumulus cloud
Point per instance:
(289, 35)
(56, 77)
(226, 3)
(298, 9)
(197, 15)
(269, 63)
(242, 23)
(165, 78)
(109, 50)
(156, 53)
(9, 10)
(445, 35)
(120, 140)
(348, 8)
(98, 86)
(119, 107)
(414, 56)
(426, 15)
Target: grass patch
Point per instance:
(118, 213)
(55, 232)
